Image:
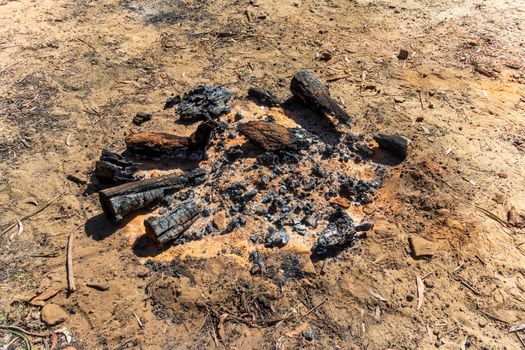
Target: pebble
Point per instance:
(53, 314)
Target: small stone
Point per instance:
(219, 221)
(482, 323)
(309, 335)
(399, 99)
(420, 247)
(340, 201)
(141, 117)
(239, 116)
(53, 314)
(410, 297)
(402, 55)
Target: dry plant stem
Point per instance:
(69, 262)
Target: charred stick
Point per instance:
(311, 92)
(121, 200)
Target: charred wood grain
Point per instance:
(311, 92)
(121, 200)
(192, 148)
(271, 136)
(113, 168)
(165, 228)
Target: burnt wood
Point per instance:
(192, 148)
(263, 97)
(311, 92)
(395, 144)
(121, 200)
(113, 168)
(269, 136)
(165, 228)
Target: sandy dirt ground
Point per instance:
(73, 75)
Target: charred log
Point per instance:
(272, 136)
(113, 168)
(165, 228)
(192, 148)
(311, 92)
(121, 200)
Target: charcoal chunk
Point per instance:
(205, 102)
(141, 118)
(336, 237)
(276, 238)
(263, 97)
(172, 101)
(395, 144)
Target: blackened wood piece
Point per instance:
(191, 148)
(113, 168)
(269, 136)
(310, 91)
(263, 97)
(121, 200)
(165, 228)
(395, 144)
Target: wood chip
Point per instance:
(220, 327)
(511, 216)
(377, 295)
(41, 299)
(420, 292)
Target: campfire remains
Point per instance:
(287, 180)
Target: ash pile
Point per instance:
(282, 181)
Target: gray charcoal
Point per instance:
(336, 237)
(276, 238)
(205, 102)
(236, 222)
(310, 185)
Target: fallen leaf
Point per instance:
(517, 328)
(220, 327)
(296, 332)
(19, 232)
(420, 292)
(377, 295)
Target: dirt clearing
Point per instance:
(428, 257)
